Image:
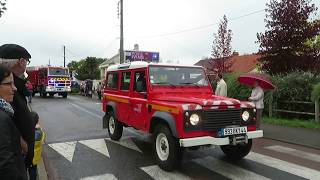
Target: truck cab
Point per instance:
(176, 105)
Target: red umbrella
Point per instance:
(250, 78)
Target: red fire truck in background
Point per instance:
(49, 80)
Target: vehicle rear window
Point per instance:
(112, 80)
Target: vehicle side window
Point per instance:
(112, 80)
(140, 81)
(125, 81)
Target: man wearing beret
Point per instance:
(16, 58)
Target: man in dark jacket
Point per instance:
(16, 59)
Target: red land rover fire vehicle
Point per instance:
(176, 105)
(50, 80)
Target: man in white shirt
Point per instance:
(256, 97)
(221, 89)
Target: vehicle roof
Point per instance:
(143, 64)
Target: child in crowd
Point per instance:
(39, 139)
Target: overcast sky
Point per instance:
(181, 30)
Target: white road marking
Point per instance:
(126, 142)
(158, 174)
(101, 177)
(284, 166)
(226, 169)
(66, 149)
(295, 152)
(83, 109)
(98, 145)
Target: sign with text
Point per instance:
(141, 56)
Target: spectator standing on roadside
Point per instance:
(256, 97)
(12, 164)
(221, 89)
(98, 89)
(39, 139)
(16, 58)
(30, 89)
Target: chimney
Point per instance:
(235, 53)
(136, 47)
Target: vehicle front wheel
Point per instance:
(115, 128)
(167, 151)
(238, 151)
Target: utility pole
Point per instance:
(64, 56)
(121, 33)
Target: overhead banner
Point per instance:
(141, 56)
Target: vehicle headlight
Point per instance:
(194, 119)
(245, 115)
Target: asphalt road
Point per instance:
(78, 148)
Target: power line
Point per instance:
(202, 27)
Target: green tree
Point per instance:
(2, 7)
(87, 68)
(221, 48)
(282, 45)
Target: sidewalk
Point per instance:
(301, 136)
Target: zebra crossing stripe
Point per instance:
(284, 166)
(66, 149)
(158, 174)
(101, 177)
(295, 152)
(228, 170)
(98, 145)
(128, 143)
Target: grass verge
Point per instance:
(292, 123)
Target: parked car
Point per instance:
(176, 105)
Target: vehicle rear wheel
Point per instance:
(51, 94)
(167, 151)
(115, 128)
(238, 151)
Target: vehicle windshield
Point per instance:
(58, 72)
(177, 76)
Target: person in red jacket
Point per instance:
(30, 89)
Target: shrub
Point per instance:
(315, 95)
(235, 89)
(295, 86)
(75, 90)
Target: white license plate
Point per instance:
(234, 130)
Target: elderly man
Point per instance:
(221, 89)
(16, 58)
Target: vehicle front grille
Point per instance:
(219, 118)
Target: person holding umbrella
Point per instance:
(259, 82)
(256, 97)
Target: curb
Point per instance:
(45, 171)
(292, 142)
